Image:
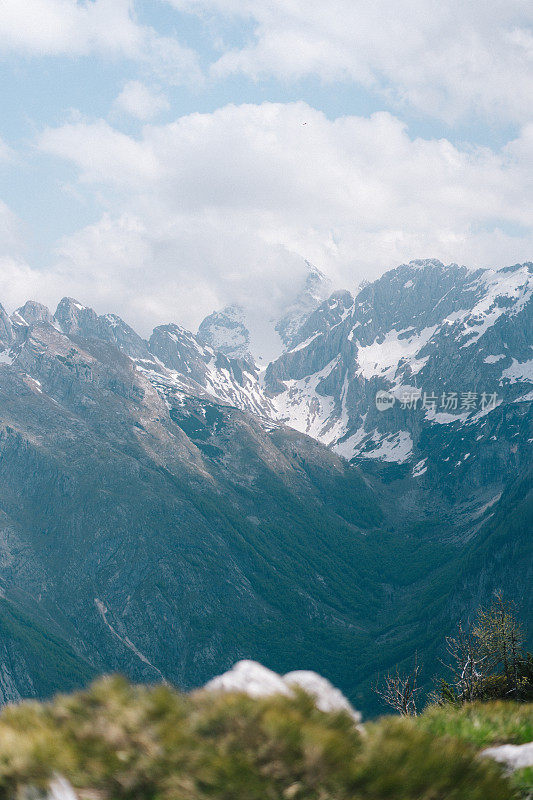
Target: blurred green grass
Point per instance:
(481, 724)
(138, 742)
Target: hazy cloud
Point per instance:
(105, 27)
(222, 206)
(447, 58)
(140, 101)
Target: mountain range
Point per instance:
(171, 505)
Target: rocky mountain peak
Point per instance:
(259, 332)
(73, 316)
(6, 329)
(329, 314)
(315, 290)
(426, 263)
(32, 312)
(77, 319)
(198, 368)
(226, 331)
(176, 347)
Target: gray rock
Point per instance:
(6, 329)
(514, 756)
(256, 680)
(32, 312)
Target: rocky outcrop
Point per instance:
(197, 368)
(32, 312)
(514, 756)
(226, 332)
(256, 680)
(75, 319)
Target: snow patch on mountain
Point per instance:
(347, 448)
(382, 358)
(305, 343)
(395, 447)
(203, 372)
(502, 292)
(304, 408)
(246, 394)
(420, 468)
(519, 371)
(444, 417)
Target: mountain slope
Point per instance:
(451, 350)
(420, 328)
(158, 518)
(171, 536)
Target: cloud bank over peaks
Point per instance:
(224, 207)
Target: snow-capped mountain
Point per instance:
(424, 378)
(173, 359)
(316, 289)
(226, 331)
(257, 333)
(163, 513)
(184, 362)
(448, 344)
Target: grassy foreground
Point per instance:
(484, 725)
(127, 741)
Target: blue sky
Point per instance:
(161, 159)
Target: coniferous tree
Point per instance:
(500, 637)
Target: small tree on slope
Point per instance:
(500, 637)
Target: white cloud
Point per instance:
(5, 151)
(17, 279)
(104, 27)
(447, 58)
(103, 153)
(10, 231)
(140, 101)
(225, 206)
